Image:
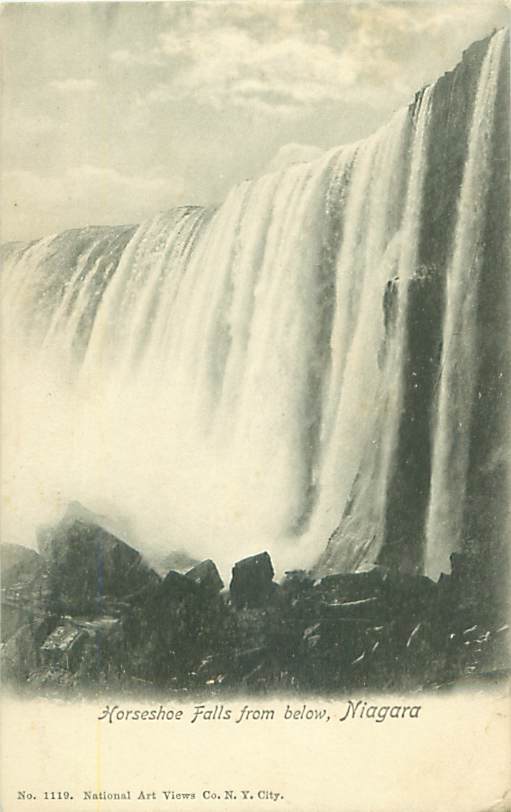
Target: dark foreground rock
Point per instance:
(206, 576)
(90, 615)
(20, 565)
(88, 566)
(26, 594)
(252, 582)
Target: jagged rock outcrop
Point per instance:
(89, 566)
(375, 629)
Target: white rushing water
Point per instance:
(220, 378)
(459, 359)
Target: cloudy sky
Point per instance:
(113, 111)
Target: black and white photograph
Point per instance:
(255, 367)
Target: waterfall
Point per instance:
(231, 379)
(459, 358)
(371, 386)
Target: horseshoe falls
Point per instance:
(318, 367)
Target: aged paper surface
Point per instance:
(255, 406)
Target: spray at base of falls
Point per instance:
(250, 377)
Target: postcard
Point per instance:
(255, 401)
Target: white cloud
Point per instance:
(71, 85)
(270, 60)
(283, 59)
(231, 66)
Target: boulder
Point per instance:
(353, 586)
(87, 565)
(297, 583)
(174, 604)
(63, 646)
(21, 652)
(206, 576)
(93, 648)
(252, 585)
(176, 586)
(25, 595)
(20, 565)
